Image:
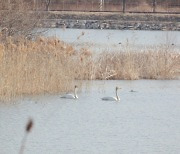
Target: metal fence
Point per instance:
(109, 6)
(153, 6)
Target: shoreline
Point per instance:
(109, 20)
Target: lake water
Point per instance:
(146, 121)
(108, 40)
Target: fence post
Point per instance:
(63, 5)
(101, 5)
(77, 8)
(92, 9)
(154, 6)
(34, 5)
(124, 5)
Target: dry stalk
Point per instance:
(29, 126)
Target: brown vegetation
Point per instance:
(34, 67)
(50, 66)
(17, 19)
(158, 64)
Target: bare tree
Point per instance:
(19, 20)
(47, 4)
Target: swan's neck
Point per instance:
(117, 94)
(75, 93)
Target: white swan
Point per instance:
(71, 96)
(112, 98)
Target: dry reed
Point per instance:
(29, 126)
(34, 67)
(131, 65)
(31, 67)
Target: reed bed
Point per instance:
(48, 65)
(34, 67)
(131, 65)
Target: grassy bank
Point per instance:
(51, 66)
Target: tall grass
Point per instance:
(31, 67)
(131, 65)
(34, 67)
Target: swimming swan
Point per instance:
(71, 96)
(112, 98)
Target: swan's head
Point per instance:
(118, 88)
